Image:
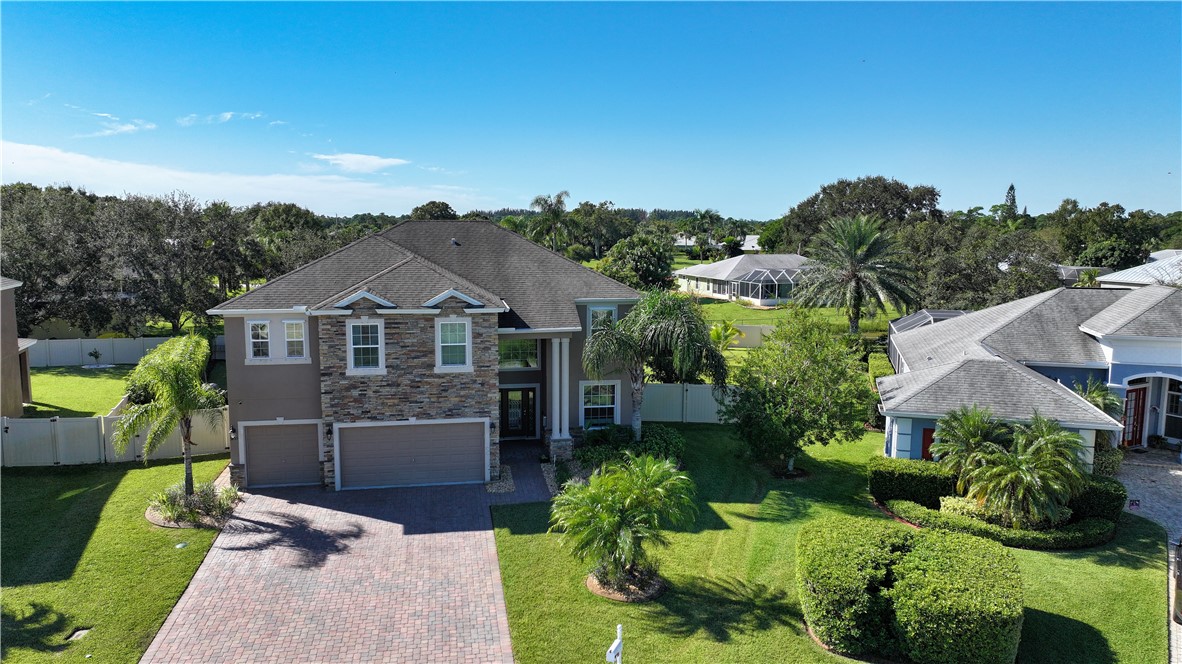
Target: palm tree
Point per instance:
(1097, 393)
(1089, 278)
(966, 434)
(1032, 482)
(725, 334)
(172, 372)
(663, 326)
(552, 221)
(620, 509)
(854, 264)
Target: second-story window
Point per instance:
(260, 340)
(293, 332)
(365, 346)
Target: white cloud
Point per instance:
(276, 123)
(217, 118)
(441, 170)
(188, 121)
(359, 163)
(114, 127)
(321, 193)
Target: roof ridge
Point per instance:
(361, 285)
(944, 370)
(1013, 319)
(439, 269)
(1156, 300)
(298, 269)
(1037, 378)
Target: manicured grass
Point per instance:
(720, 310)
(76, 392)
(733, 595)
(78, 553)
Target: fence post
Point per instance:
(684, 403)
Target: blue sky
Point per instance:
(746, 108)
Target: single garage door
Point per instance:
(281, 454)
(411, 454)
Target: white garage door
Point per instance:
(412, 454)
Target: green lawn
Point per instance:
(76, 392)
(78, 553)
(733, 596)
(720, 310)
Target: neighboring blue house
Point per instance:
(1027, 355)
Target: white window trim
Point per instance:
(250, 341)
(591, 308)
(365, 371)
(583, 385)
(537, 349)
(439, 366)
(303, 339)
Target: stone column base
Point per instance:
(237, 475)
(560, 448)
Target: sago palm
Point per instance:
(963, 436)
(854, 265)
(172, 371)
(1031, 482)
(622, 508)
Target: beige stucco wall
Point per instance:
(265, 392)
(10, 372)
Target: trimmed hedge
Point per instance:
(609, 444)
(1083, 533)
(1107, 461)
(1101, 498)
(843, 566)
(879, 365)
(916, 480)
(958, 598)
(871, 587)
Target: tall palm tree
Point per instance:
(172, 371)
(854, 264)
(1097, 393)
(621, 509)
(1031, 482)
(552, 221)
(966, 434)
(664, 326)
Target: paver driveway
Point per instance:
(305, 575)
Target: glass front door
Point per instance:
(519, 412)
(1134, 419)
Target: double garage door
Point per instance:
(381, 455)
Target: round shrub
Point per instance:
(1101, 498)
(957, 598)
(843, 568)
(661, 441)
(1107, 461)
(916, 480)
(1078, 535)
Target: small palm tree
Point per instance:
(172, 372)
(621, 509)
(854, 264)
(1032, 482)
(552, 221)
(1089, 278)
(963, 436)
(663, 326)
(725, 334)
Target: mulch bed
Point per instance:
(156, 519)
(631, 594)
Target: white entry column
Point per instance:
(565, 388)
(552, 407)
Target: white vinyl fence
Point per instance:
(665, 402)
(752, 335)
(75, 352)
(65, 441)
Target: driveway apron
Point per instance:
(305, 575)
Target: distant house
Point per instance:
(14, 357)
(750, 244)
(1165, 270)
(1070, 274)
(1027, 355)
(761, 279)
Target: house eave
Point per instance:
(537, 330)
(298, 309)
(1114, 426)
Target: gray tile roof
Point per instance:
(1151, 311)
(1011, 391)
(734, 267)
(413, 262)
(539, 285)
(1167, 270)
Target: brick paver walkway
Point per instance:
(305, 575)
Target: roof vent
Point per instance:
(455, 242)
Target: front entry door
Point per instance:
(929, 436)
(519, 412)
(1134, 419)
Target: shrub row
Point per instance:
(871, 587)
(958, 598)
(916, 480)
(879, 365)
(1083, 533)
(1101, 498)
(609, 444)
(969, 507)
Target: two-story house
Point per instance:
(406, 357)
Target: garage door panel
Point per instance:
(403, 455)
(281, 455)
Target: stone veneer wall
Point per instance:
(410, 387)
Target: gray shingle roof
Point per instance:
(1011, 391)
(1049, 332)
(737, 266)
(1152, 311)
(413, 262)
(1163, 271)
